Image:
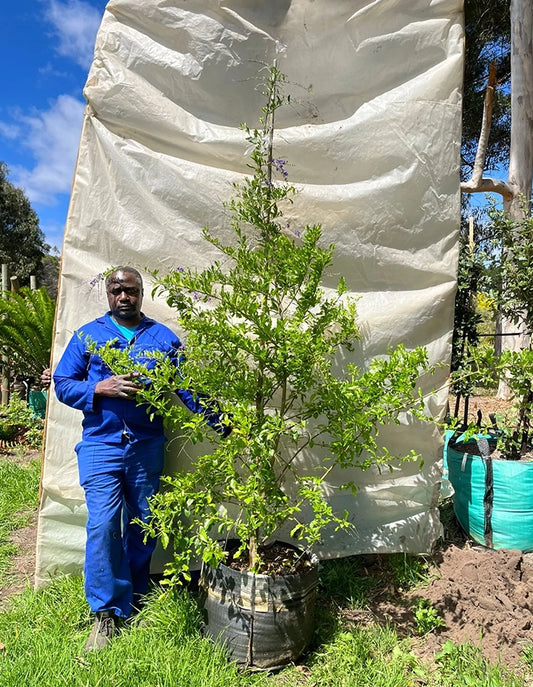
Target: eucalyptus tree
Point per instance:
(517, 188)
(487, 41)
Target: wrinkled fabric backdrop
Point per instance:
(371, 135)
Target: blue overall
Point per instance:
(120, 459)
(118, 480)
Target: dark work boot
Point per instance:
(104, 629)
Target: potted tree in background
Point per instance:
(264, 343)
(491, 462)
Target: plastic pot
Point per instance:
(493, 498)
(264, 621)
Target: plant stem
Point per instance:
(253, 557)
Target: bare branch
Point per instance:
(478, 183)
(489, 185)
(479, 163)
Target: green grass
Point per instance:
(463, 665)
(366, 656)
(19, 488)
(42, 633)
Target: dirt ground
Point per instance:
(485, 597)
(480, 404)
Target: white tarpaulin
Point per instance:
(371, 136)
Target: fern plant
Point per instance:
(26, 328)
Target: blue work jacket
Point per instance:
(107, 419)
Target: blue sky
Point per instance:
(46, 49)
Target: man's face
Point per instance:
(125, 296)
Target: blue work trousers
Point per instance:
(118, 480)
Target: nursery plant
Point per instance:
(466, 318)
(18, 424)
(266, 342)
(483, 367)
(510, 432)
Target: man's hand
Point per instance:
(46, 378)
(118, 386)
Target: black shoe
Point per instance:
(104, 629)
(137, 604)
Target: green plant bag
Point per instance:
(493, 499)
(37, 403)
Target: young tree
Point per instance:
(22, 243)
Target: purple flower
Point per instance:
(96, 279)
(279, 166)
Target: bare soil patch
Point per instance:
(485, 598)
(481, 404)
(22, 571)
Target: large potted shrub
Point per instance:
(490, 463)
(263, 338)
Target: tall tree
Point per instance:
(516, 191)
(22, 243)
(517, 188)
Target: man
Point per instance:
(120, 456)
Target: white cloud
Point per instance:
(41, 144)
(52, 136)
(75, 23)
(9, 131)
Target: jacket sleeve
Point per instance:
(70, 377)
(200, 404)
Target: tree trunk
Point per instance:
(521, 150)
